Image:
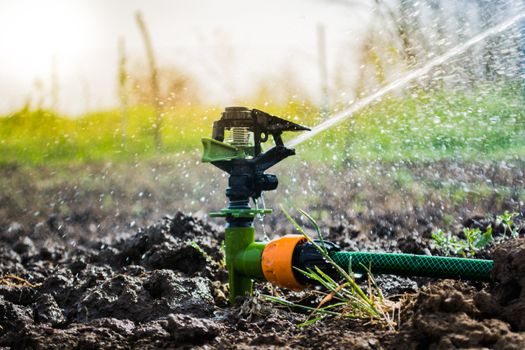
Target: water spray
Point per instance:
(236, 148)
(407, 78)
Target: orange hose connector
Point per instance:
(276, 261)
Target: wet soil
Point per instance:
(164, 286)
(84, 277)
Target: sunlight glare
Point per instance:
(33, 32)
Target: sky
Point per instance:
(228, 45)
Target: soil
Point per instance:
(78, 279)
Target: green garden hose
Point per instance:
(415, 265)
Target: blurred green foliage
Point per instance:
(488, 123)
(42, 137)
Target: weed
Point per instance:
(205, 255)
(344, 298)
(474, 240)
(507, 221)
(222, 262)
(445, 241)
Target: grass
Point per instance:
(343, 298)
(488, 123)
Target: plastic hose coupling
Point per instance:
(307, 257)
(276, 262)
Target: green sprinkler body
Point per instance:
(235, 147)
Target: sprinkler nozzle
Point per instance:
(236, 148)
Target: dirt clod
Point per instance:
(46, 310)
(509, 277)
(445, 316)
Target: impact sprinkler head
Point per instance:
(236, 148)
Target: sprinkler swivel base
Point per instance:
(243, 256)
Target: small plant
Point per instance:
(474, 240)
(344, 298)
(507, 221)
(445, 241)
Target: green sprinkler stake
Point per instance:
(235, 147)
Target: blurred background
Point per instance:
(103, 104)
(217, 52)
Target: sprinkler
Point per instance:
(235, 147)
